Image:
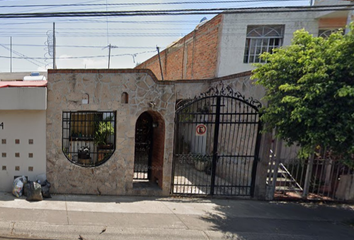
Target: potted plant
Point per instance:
(202, 162)
(102, 131)
(84, 152)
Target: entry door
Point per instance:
(143, 147)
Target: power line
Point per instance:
(90, 21)
(75, 35)
(22, 56)
(95, 29)
(180, 12)
(78, 46)
(80, 57)
(142, 3)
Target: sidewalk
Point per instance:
(68, 217)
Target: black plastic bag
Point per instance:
(34, 192)
(46, 189)
(26, 188)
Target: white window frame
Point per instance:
(325, 33)
(262, 39)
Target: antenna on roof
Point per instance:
(203, 19)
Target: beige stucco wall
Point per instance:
(21, 125)
(23, 98)
(66, 88)
(238, 82)
(105, 87)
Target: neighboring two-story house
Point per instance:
(230, 43)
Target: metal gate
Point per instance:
(143, 147)
(322, 176)
(216, 144)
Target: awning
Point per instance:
(4, 84)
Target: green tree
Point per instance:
(310, 92)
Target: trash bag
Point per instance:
(40, 178)
(45, 189)
(26, 188)
(34, 192)
(17, 187)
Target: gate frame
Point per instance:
(219, 90)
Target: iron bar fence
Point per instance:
(319, 177)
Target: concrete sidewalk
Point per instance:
(68, 217)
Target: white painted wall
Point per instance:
(23, 98)
(331, 2)
(234, 30)
(17, 75)
(22, 125)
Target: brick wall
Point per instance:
(192, 57)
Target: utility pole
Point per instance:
(110, 46)
(10, 54)
(54, 42)
(109, 54)
(158, 53)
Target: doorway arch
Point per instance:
(149, 148)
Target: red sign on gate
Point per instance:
(200, 130)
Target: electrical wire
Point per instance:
(90, 21)
(142, 3)
(22, 56)
(77, 46)
(80, 57)
(180, 12)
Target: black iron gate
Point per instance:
(216, 144)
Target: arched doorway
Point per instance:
(143, 147)
(149, 148)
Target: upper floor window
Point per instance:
(324, 33)
(88, 137)
(262, 39)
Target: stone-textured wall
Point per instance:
(240, 82)
(67, 88)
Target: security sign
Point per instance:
(200, 130)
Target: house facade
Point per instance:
(123, 132)
(23, 107)
(137, 114)
(230, 43)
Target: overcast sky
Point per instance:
(81, 41)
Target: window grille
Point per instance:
(325, 33)
(262, 39)
(88, 137)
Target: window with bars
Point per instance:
(262, 39)
(88, 138)
(325, 33)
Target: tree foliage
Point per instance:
(310, 91)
